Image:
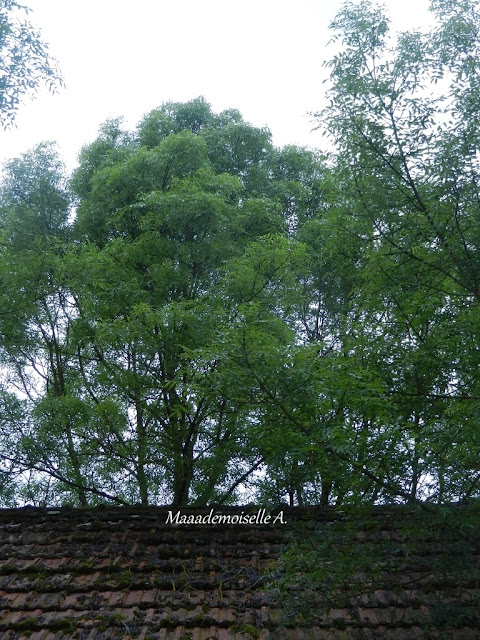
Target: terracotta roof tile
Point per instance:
(120, 574)
(40, 635)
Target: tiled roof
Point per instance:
(131, 574)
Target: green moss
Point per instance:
(66, 625)
(109, 620)
(196, 621)
(125, 580)
(29, 624)
(100, 583)
(249, 629)
(169, 623)
(35, 570)
(84, 567)
(7, 569)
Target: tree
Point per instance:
(162, 223)
(25, 62)
(37, 315)
(388, 300)
(222, 315)
(397, 274)
(127, 304)
(404, 121)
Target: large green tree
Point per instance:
(403, 117)
(129, 301)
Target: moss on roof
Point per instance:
(135, 573)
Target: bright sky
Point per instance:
(124, 58)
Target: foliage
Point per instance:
(25, 62)
(222, 320)
(402, 116)
(115, 345)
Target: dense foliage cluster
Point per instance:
(25, 64)
(196, 316)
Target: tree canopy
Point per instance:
(196, 316)
(25, 63)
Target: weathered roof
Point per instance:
(133, 573)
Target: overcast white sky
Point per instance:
(124, 58)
